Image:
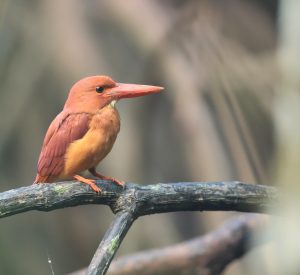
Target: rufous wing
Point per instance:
(64, 129)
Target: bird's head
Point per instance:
(92, 93)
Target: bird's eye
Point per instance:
(99, 89)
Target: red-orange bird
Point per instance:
(86, 129)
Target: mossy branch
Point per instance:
(135, 200)
(149, 199)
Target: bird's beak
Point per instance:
(123, 90)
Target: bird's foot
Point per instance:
(97, 175)
(118, 182)
(90, 182)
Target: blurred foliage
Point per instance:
(215, 120)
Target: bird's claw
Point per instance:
(96, 174)
(95, 188)
(118, 182)
(90, 182)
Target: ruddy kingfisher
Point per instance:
(85, 130)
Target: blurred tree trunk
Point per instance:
(287, 120)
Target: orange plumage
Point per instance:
(86, 129)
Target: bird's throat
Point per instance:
(113, 103)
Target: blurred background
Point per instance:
(230, 111)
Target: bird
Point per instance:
(84, 132)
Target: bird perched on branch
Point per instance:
(86, 129)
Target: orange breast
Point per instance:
(88, 151)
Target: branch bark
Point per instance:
(148, 199)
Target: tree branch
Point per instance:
(148, 199)
(110, 243)
(208, 254)
(136, 200)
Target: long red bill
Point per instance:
(123, 90)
